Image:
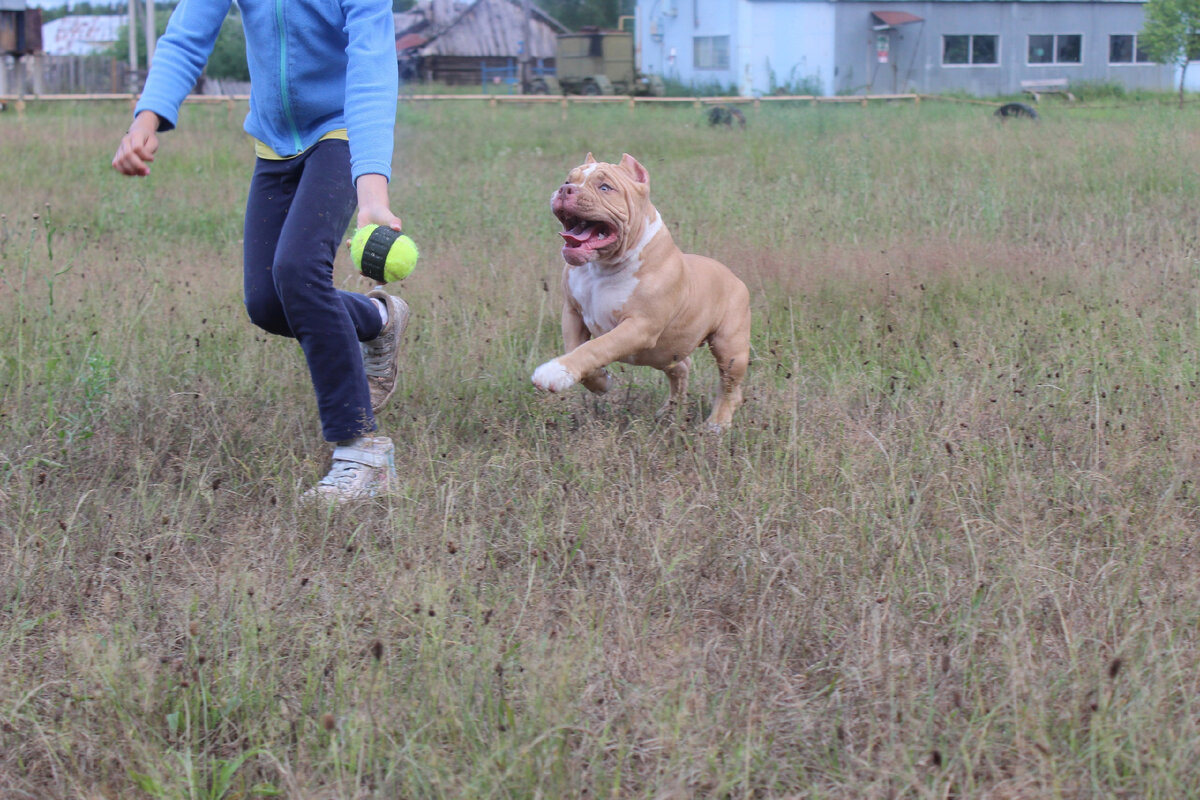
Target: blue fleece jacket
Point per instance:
(315, 66)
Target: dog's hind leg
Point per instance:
(677, 376)
(731, 349)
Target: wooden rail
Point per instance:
(498, 99)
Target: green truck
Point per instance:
(595, 62)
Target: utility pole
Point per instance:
(133, 58)
(527, 47)
(151, 32)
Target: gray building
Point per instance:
(982, 47)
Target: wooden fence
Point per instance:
(56, 75)
(518, 99)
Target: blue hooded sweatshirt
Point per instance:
(315, 66)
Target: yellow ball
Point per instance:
(382, 254)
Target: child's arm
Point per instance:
(179, 58)
(371, 90)
(372, 86)
(138, 145)
(373, 202)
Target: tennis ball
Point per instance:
(383, 254)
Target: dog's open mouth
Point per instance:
(582, 237)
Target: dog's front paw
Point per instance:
(553, 377)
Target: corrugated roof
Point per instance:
(81, 35)
(493, 28)
(410, 40)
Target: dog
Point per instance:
(726, 115)
(630, 295)
(1017, 110)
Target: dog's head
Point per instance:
(603, 209)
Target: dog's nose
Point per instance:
(567, 189)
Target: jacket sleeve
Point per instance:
(372, 85)
(180, 56)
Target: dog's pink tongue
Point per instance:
(577, 235)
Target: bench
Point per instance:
(1042, 86)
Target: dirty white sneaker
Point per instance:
(381, 355)
(363, 468)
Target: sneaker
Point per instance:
(381, 355)
(364, 468)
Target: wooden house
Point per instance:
(453, 42)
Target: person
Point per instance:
(322, 117)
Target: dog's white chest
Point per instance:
(601, 294)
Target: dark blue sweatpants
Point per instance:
(296, 217)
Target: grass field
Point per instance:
(950, 549)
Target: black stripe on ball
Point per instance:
(375, 253)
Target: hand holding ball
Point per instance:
(382, 254)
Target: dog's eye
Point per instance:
(604, 187)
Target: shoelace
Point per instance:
(342, 474)
(375, 356)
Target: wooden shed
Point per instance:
(451, 42)
(20, 29)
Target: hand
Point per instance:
(138, 146)
(373, 202)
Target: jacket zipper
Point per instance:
(283, 81)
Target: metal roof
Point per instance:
(492, 28)
(893, 18)
(81, 35)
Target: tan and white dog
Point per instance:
(630, 295)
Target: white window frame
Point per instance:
(713, 52)
(971, 50)
(1055, 63)
(1134, 62)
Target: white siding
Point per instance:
(790, 44)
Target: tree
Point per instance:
(228, 59)
(576, 13)
(83, 8)
(1171, 34)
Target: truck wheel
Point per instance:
(591, 88)
(539, 87)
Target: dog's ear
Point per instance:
(590, 159)
(631, 165)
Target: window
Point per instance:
(959, 49)
(1124, 49)
(1056, 49)
(711, 52)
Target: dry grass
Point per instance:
(950, 548)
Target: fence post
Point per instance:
(39, 65)
(20, 86)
